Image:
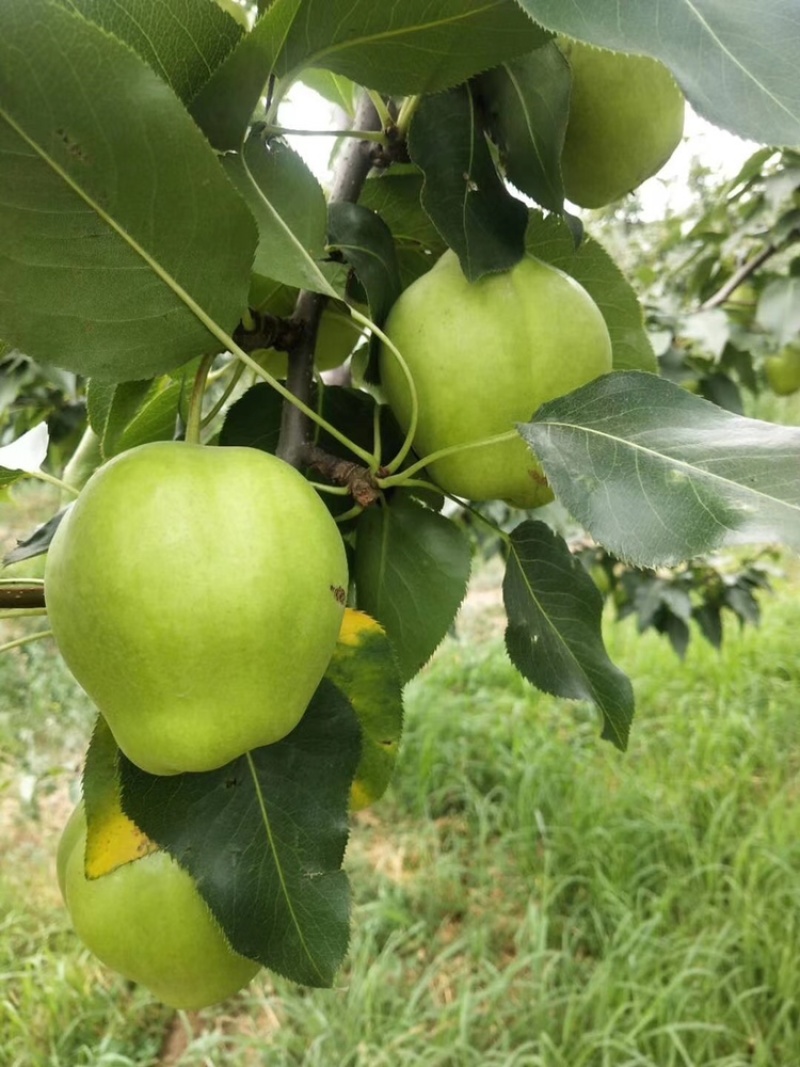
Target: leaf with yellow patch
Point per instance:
(112, 838)
(364, 668)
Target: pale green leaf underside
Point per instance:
(107, 236)
(290, 210)
(736, 61)
(408, 47)
(400, 48)
(658, 475)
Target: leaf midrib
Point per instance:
(666, 457)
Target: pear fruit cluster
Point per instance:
(196, 593)
(485, 356)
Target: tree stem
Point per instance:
(351, 172)
(739, 276)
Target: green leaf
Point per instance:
(264, 836)
(526, 102)
(289, 206)
(366, 243)
(463, 193)
(411, 571)
(133, 413)
(396, 195)
(254, 421)
(107, 236)
(736, 63)
(413, 47)
(658, 475)
(183, 40)
(364, 668)
(554, 635)
(224, 105)
(550, 239)
(334, 88)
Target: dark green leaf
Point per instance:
(366, 243)
(183, 40)
(676, 631)
(411, 572)
(658, 475)
(38, 542)
(254, 421)
(709, 618)
(554, 635)
(737, 63)
(264, 837)
(463, 193)
(527, 105)
(550, 239)
(107, 237)
(742, 603)
(397, 197)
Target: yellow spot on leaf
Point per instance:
(356, 625)
(112, 841)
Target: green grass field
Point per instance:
(526, 896)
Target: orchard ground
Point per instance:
(526, 895)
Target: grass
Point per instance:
(525, 896)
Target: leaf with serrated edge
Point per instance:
(363, 667)
(527, 105)
(658, 475)
(411, 572)
(463, 193)
(589, 264)
(554, 634)
(408, 48)
(112, 838)
(263, 838)
(183, 41)
(366, 243)
(736, 62)
(107, 237)
(289, 207)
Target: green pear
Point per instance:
(484, 356)
(783, 371)
(196, 593)
(626, 119)
(147, 921)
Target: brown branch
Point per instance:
(739, 276)
(357, 479)
(21, 596)
(351, 172)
